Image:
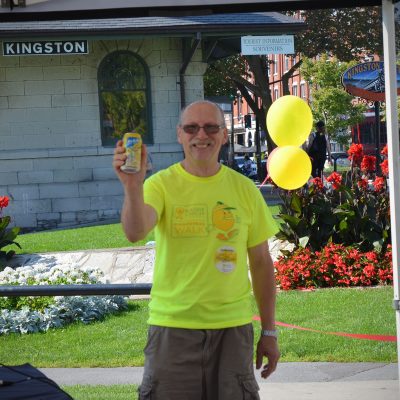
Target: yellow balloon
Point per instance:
(290, 167)
(289, 121)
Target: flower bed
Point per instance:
(7, 236)
(339, 228)
(350, 208)
(38, 314)
(335, 265)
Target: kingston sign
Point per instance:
(367, 80)
(45, 48)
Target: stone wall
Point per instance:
(52, 163)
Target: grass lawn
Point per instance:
(119, 340)
(114, 392)
(339, 168)
(93, 237)
(349, 310)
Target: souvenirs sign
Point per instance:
(255, 45)
(45, 48)
(367, 80)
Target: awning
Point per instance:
(67, 9)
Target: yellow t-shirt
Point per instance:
(204, 228)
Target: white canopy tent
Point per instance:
(63, 9)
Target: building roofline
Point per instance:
(84, 9)
(208, 25)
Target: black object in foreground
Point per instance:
(25, 382)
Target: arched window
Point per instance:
(124, 97)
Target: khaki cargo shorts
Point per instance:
(191, 364)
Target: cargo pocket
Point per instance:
(250, 387)
(145, 389)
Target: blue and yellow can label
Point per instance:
(133, 149)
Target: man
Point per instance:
(317, 146)
(247, 166)
(207, 219)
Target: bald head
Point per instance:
(217, 108)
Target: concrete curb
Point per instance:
(296, 372)
(299, 381)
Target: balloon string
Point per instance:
(263, 182)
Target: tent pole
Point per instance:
(393, 149)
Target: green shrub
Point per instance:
(350, 209)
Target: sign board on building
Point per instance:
(367, 80)
(48, 47)
(278, 44)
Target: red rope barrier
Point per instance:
(383, 338)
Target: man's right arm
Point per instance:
(137, 218)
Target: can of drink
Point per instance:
(133, 149)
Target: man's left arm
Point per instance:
(264, 288)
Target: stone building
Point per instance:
(68, 88)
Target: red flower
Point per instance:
(384, 151)
(3, 201)
(318, 183)
(362, 183)
(355, 153)
(379, 183)
(369, 271)
(368, 164)
(385, 167)
(335, 265)
(371, 256)
(335, 179)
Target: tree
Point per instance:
(249, 76)
(347, 33)
(330, 102)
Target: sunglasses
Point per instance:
(193, 129)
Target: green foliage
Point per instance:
(118, 340)
(350, 213)
(125, 111)
(7, 236)
(308, 218)
(102, 392)
(345, 33)
(218, 77)
(351, 310)
(91, 237)
(33, 303)
(331, 103)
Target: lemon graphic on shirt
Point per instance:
(224, 220)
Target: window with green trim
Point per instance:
(124, 97)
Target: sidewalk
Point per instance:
(291, 381)
(119, 265)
